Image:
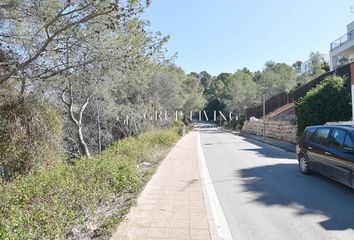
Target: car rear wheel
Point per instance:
(304, 165)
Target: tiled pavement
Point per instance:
(172, 204)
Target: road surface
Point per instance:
(264, 196)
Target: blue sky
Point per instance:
(225, 35)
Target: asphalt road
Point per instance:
(264, 196)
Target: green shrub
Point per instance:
(48, 203)
(330, 101)
(180, 126)
(29, 136)
(161, 138)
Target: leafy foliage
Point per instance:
(277, 78)
(329, 101)
(318, 65)
(93, 62)
(48, 204)
(230, 92)
(29, 136)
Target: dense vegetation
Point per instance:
(52, 204)
(328, 102)
(77, 75)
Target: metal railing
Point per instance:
(342, 40)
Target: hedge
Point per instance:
(330, 101)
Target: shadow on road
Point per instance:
(266, 150)
(281, 144)
(282, 184)
(270, 153)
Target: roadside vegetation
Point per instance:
(330, 101)
(86, 198)
(76, 78)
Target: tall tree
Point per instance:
(316, 63)
(277, 77)
(241, 92)
(205, 80)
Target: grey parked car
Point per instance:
(328, 150)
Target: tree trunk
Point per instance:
(23, 87)
(77, 121)
(83, 146)
(99, 130)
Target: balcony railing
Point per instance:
(342, 40)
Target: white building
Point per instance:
(343, 47)
(306, 67)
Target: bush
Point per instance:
(330, 101)
(180, 126)
(48, 204)
(29, 136)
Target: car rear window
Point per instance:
(320, 136)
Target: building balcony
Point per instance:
(342, 40)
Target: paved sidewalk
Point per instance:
(172, 203)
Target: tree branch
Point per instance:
(83, 107)
(23, 65)
(63, 98)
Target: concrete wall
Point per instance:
(282, 130)
(350, 27)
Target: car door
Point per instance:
(316, 149)
(338, 161)
(348, 151)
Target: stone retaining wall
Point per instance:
(282, 130)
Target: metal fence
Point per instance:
(342, 40)
(293, 96)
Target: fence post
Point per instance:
(264, 115)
